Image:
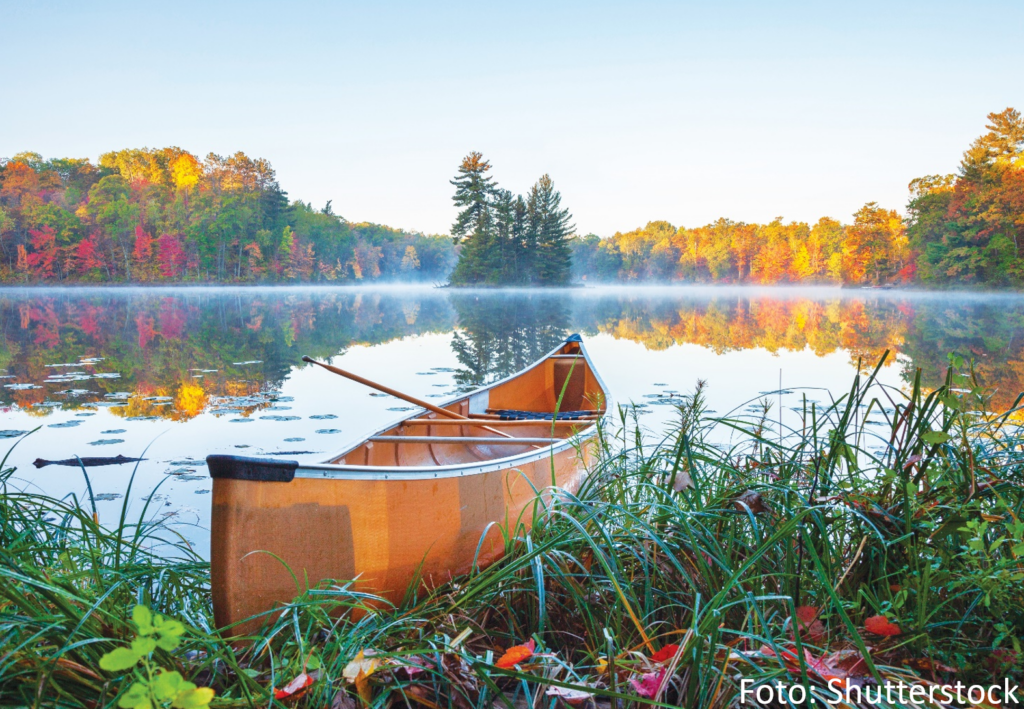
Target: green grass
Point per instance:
(902, 504)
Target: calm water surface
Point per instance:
(189, 372)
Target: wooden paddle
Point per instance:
(405, 397)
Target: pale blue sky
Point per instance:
(638, 111)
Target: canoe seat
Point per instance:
(514, 415)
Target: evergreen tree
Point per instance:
(550, 231)
(474, 191)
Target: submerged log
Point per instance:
(87, 462)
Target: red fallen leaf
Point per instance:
(880, 625)
(806, 614)
(514, 655)
(807, 618)
(850, 661)
(649, 684)
(297, 684)
(665, 654)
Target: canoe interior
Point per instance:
(273, 537)
(536, 389)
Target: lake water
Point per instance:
(189, 372)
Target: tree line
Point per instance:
(508, 239)
(164, 215)
(963, 228)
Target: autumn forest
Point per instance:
(167, 216)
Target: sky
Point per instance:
(638, 111)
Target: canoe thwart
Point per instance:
(516, 415)
(453, 423)
(468, 440)
(237, 467)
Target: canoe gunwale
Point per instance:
(424, 472)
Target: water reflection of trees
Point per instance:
(500, 334)
(158, 342)
(188, 346)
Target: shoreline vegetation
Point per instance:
(878, 539)
(163, 216)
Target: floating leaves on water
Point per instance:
(442, 369)
(189, 478)
(328, 430)
(202, 492)
(64, 424)
(106, 442)
(402, 408)
(113, 431)
(425, 374)
(280, 418)
(117, 395)
(240, 421)
(293, 440)
(106, 375)
(143, 418)
(21, 387)
(251, 361)
(243, 445)
(105, 496)
(12, 434)
(378, 393)
(323, 417)
(278, 408)
(86, 413)
(660, 384)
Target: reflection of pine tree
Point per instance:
(499, 336)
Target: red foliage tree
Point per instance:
(170, 256)
(44, 252)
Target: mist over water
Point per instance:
(189, 372)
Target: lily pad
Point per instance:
(323, 417)
(280, 418)
(106, 442)
(329, 430)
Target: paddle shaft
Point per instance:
(405, 397)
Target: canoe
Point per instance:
(419, 501)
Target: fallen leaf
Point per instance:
(569, 696)
(926, 664)
(880, 625)
(752, 500)
(343, 700)
(363, 664)
(514, 655)
(810, 626)
(649, 684)
(665, 654)
(296, 685)
(358, 672)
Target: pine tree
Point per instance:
(474, 191)
(550, 230)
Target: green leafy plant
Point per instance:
(154, 686)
